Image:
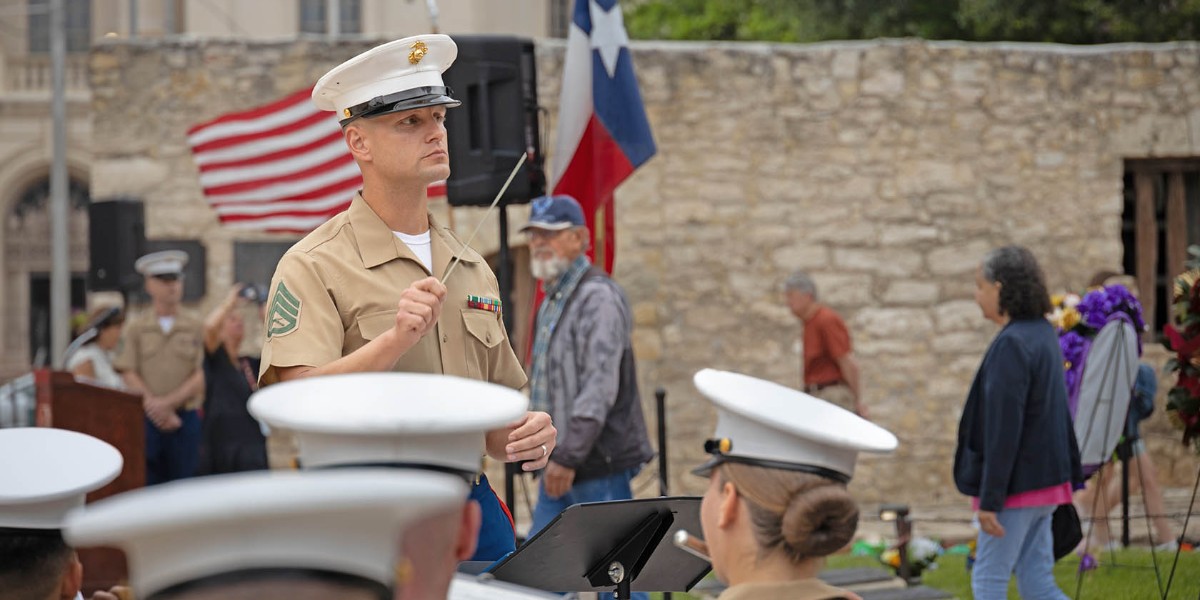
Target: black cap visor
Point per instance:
(718, 459)
(421, 97)
(705, 470)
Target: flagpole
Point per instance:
(60, 276)
(333, 18)
(433, 15)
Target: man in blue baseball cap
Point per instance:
(583, 371)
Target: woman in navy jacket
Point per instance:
(1016, 456)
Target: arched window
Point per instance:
(27, 264)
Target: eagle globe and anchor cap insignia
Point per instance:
(419, 49)
(285, 312)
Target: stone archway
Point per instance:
(26, 268)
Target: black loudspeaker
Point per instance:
(116, 238)
(495, 78)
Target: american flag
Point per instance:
(280, 167)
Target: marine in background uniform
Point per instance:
(161, 357)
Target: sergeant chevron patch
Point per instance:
(284, 315)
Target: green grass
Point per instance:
(1123, 575)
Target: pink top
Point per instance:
(1049, 496)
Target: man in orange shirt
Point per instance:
(830, 371)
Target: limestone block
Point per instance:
(961, 341)
(884, 261)
(750, 285)
(970, 71)
(911, 293)
(822, 213)
(132, 176)
(858, 233)
(878, 348)
(903, 323)
(888, 206)
(885, 83)
(905, 235)
(1172, 136)
(775, 235)
(645, 314)
(1048, 160)
(803, 256)
(843, 290)
(958, 259)
(918, 178)
(845, 64)
(1134, 136)
(647, 344)
(957, 315)
(856, 188)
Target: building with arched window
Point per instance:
(25, 124)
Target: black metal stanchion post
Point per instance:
(504, 278)
(1126, 452)
(660, 398)
(660, 403)
(899, 514)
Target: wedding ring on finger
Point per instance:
(545, 452)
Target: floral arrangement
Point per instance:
(922, 555)
(1065, 317)
(1079, 319)
(1183, 338)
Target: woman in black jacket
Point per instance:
(1016, 456)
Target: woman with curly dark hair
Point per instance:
(1016, 456)
(777, 502)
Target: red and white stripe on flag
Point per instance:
(280, 167)
(603, 133)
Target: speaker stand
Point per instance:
(505, 279)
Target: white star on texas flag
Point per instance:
(608, 34)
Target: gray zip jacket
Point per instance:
(592, 380)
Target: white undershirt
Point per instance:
(167, 324)
(420, 245)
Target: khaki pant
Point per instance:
(839, 394)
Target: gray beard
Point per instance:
(548, 269)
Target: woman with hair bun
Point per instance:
(777, 503)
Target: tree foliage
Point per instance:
(1064, 21)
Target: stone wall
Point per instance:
(886, 169)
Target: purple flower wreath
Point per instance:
(1096, 309)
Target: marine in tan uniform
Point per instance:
(367, 291)
(776, 503)
(161, 359)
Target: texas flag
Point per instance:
(603, 134)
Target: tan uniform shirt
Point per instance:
(803, 589)
(163, 360)
(337, 289)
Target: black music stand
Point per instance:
(599, 546)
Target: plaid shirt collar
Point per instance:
(547, 318)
